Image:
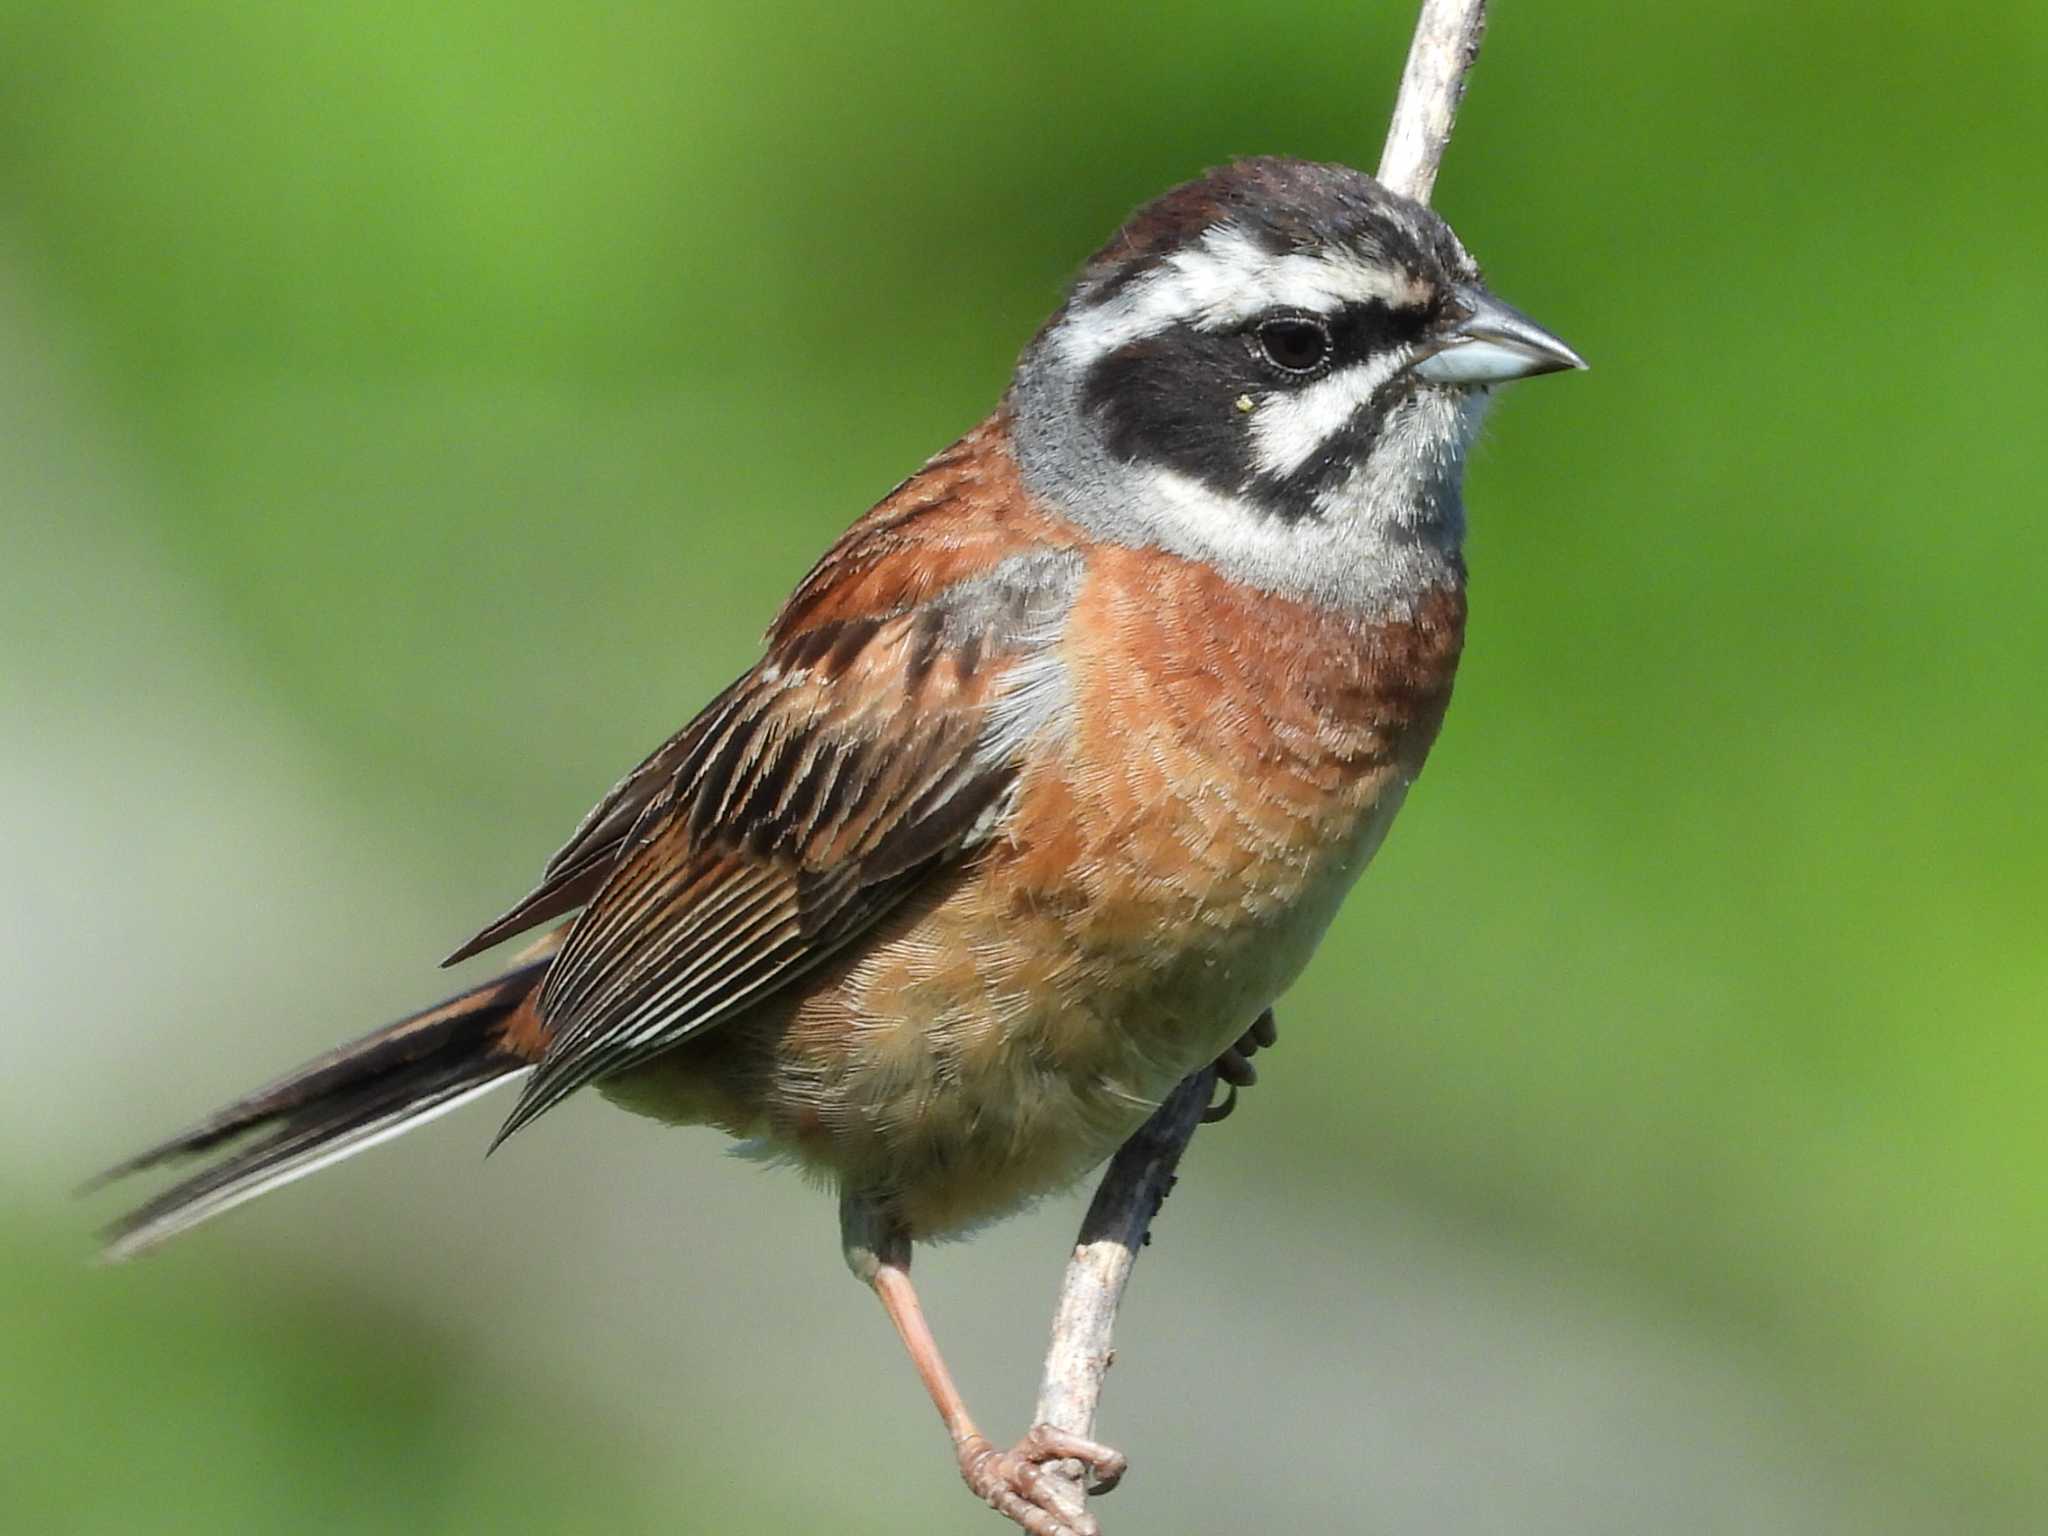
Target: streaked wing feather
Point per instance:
(810, 799)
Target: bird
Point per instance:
(1051, 775)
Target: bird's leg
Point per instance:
(1234, 1067)
(1014, 1483)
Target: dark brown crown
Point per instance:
(1285, 205)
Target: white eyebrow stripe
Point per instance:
(1225, 280)
(1289, 427)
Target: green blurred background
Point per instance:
(409, 413)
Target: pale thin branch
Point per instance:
(1138, 1179)
(1119, 1219)
(1447, 37)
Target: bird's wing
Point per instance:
(872, 746)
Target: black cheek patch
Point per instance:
(1172, 400)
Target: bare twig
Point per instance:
(1447, 36)
(1119, 1219)
(1111, 1234)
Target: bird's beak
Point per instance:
(1491, 344)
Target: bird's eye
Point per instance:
(1295, 344)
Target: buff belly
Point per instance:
(995, 1039)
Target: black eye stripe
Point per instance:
(1287, 339)
(1375, 325)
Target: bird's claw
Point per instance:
(1234, 1067)
(1019, 1485)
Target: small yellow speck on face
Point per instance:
(1244, 405)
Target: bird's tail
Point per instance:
(335, 1106)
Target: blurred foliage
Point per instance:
(204, 1404)
(500, 365)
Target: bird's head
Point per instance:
(1277, 368)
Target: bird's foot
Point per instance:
(1019, 1484)
(1234, 1067)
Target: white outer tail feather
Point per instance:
(260, 1181)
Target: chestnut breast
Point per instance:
(1233, 762)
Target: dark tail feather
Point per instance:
(333, 1107)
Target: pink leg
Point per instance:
(1015, 1483)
